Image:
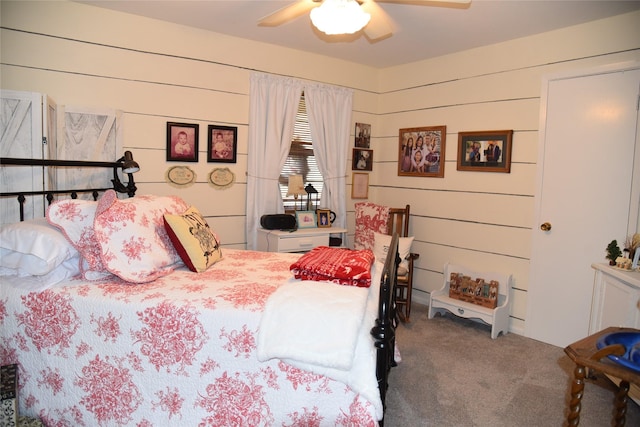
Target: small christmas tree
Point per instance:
(613, 252)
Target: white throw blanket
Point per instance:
(325, 328)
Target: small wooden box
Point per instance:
(455, 290)
(477, 291)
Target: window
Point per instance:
(301, 161)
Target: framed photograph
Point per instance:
(362, 159)
(223, 144)
(363, 135)
(182, 142)
(485, 151)
(360, 185)
(421, 151)
(324, 218)
(306, 219)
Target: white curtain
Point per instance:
(272, 112)
(329, 110)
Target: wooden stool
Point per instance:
(585, 354)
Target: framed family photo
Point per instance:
(363, 135)
(182, 142)
(362, 159)
(421, 151)
(222, 144)
(485, 151)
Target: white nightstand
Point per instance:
(301, 240)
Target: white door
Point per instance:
(586, 161)
(21, 137)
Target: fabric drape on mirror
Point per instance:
(273, 107)
(329, 110)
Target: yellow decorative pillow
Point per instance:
(193, 239)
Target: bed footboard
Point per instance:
(384, 332)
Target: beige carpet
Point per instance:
(453, 374)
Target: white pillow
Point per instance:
(33, 248)
(69, 268)
(381, 247)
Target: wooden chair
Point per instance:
(399, 223)
(372, 218)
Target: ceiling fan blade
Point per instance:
(379, 26)
(441, 3)
(288, 13)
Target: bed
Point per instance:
(236, 341)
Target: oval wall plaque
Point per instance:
(180, 176)
(222, 178)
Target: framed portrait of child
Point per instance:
(182, 142)
(223, 144)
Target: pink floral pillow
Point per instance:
(75, 219)
(133, 241)
(370, 218)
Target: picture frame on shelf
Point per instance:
(421, 151)
(306, 219)
(182, 142)
(324, 218)
(222, 144)
(485, 151)
(359, 185)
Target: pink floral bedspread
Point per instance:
(177, 351)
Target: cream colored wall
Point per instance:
(480, 219)
(157, 72)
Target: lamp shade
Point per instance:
(339, 17)
(128, 164)
(296, 186)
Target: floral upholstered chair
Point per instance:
(374, 226)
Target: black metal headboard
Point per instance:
(126, 163)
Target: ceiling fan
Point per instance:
(356, 14)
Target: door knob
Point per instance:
(545, 226)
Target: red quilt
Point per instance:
(338, 265)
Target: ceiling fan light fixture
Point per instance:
(339, 17)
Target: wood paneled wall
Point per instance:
(157, 72)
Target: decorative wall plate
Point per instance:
(222, 178)
(180, 176)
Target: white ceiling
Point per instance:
(421, 31)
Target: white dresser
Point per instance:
(616, 295)
(300, 240)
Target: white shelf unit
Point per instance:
(497, 317)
